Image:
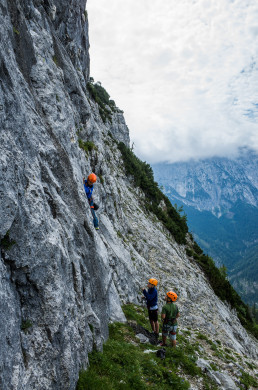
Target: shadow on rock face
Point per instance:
(140, 330)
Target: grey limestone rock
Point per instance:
(61, 282)
(143, 339)
(226, 382)
(203, 364)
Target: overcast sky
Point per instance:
(184, 72)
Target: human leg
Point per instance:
(172, 335)
(153, 316)
(164, 334)
(152, 324)
(95, 219)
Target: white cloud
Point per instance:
(185, 73)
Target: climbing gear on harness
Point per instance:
(92, 177)
(153, 281)
(169, 322)
(172, 295)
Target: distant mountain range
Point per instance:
(220, 199)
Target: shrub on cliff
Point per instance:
(223, 289)
(102, 98)
(143, 177)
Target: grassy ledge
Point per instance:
(123, 364)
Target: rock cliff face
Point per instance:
(61, 281)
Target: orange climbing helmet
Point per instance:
(92, 178)
(153, 281)
(172, 295)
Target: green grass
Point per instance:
(124, 365)
(185, 358)
(187, 332)
(138, 314)
(202, 336)
(25, 325)
(248, 381)
(214, 366)
(87, 146)
(119, 234)
(101, 179)
(16, 31)
(250, 365)
(54, 58)
(208, 385)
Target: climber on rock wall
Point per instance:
(151, 297)
(169, 315)
(88, 186)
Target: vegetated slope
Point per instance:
(130, 360)
(219, 197)
(232, 242)
(244, 276)
(159, 204)
(62, 282)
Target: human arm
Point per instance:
(163, 314)
(149, 295)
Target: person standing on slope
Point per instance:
(151, 297)
(88, 186)
(169, 315)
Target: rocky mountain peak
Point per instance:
(213, 184)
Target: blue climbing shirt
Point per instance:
(88, 190)
(151, 298)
